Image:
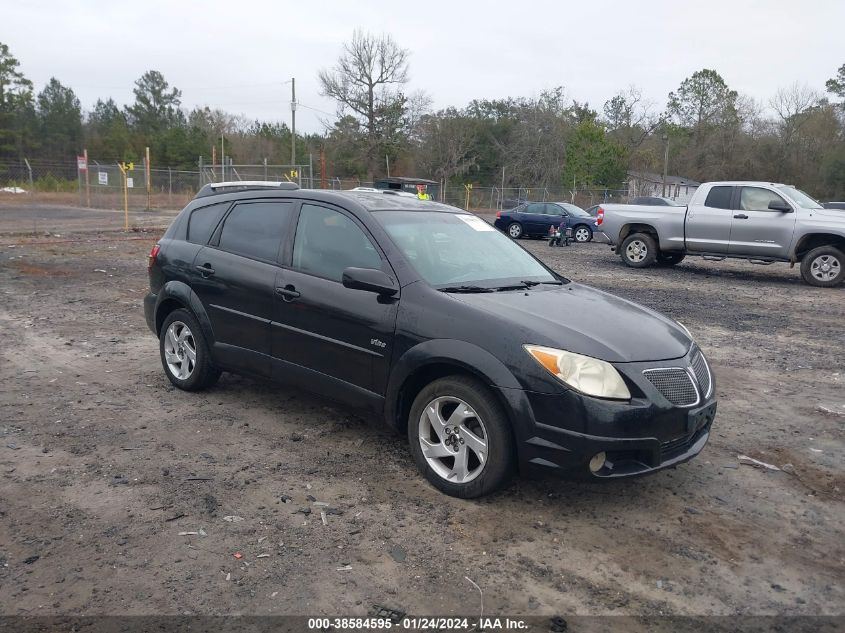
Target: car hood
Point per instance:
(835, 215)
(586, 321)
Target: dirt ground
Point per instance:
(115, 488)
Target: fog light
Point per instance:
(597, 462)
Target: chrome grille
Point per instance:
(702, 373)
(675, 384)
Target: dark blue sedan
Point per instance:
(533, 219)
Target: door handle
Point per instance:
(206, 270)
(288, 293)
(741, 216)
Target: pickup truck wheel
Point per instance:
(823, 266)
(460, 437)
(582, 233)
(639, 250)
(669, 259)
(515, 230)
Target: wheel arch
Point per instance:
(175, 295)
(635, 227)
(813, 240)
(435, 359)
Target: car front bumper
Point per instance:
(560, 433)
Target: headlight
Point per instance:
(588, 375)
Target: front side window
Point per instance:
(719, 198)
(256, 229)
(758, 199)
(553, 209)
(327, 242)
(457, 249)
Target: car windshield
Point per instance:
(799, 197)
(461, 250)
(573, 210)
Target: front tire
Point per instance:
(515, 230)
(824, 267)
(184, 353)
(460, 437)
(639, 250)
(582, 234)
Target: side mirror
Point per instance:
(370, 280)
(779, 205)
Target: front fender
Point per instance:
(461, 354)
(182, 292)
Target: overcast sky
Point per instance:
(237, 55)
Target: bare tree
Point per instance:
(367, 80)
(792, 106)
(446, 141)
(630, 118)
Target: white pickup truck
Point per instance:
(760, 221)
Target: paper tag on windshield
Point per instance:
(477, 223)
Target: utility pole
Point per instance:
(222, 159)
(293, 123)
(665, 162)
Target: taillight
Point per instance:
(153, 255)
(498, 215)
(599, 216)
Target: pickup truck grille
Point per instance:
(702, 373)
(675, 384)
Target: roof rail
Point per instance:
(214, 188)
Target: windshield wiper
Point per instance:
(466, 289)
(528, 283)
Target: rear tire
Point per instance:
(824, 267)
(184, 352)
(582, 233)
(639, 250)
(515, 230)
(670, 259)
(469, 450)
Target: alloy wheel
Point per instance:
(180, 350)
(453, 439)
(582, 235)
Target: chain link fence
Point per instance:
(102, 185)
(477, 198)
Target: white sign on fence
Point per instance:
(103, 177)
(82, 163)
(130, 182)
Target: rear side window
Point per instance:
(719, 198)
(535, 207)
(327, 242)
(203, 221)
(256, 229)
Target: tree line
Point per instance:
(712, 132)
